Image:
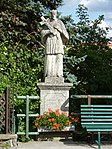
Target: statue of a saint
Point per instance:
(53, 35)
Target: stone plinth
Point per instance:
(54, 93)
(10, 139)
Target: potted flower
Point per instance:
(53, 120)
(74, 119)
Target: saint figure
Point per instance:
(53, 35)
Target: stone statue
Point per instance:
(53, 36)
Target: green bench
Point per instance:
(96, 118)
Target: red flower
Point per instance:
(56, 125)
(50, 110)
(49, 120)
(53, 127)
(64, 113)
(76, 119)
(72, 113)
(38, 118)
(72, 118)
(47, 114)
(44, 123)
(52, 119)
(57, 112)
(67, 121)
(36, 124)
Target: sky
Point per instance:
(95, 8)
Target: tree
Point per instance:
(89, 41)
(21, 54)
(88, 58)
(21, 51)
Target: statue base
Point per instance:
(54, 94)
(54, 80)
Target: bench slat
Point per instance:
(96, 130)
(96, 120)
(97, 127)
(97, 123)
(97, 109)
(95, 116)
(103, 106)
(100, 113)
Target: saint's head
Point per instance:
(54, 14)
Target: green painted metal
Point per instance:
(29, 133)
(89, 97)
(101, 130)
(33, 133)
(21, 115)
(30, 115)
(94, 96)
(98, 113)
(30, 97)
(96, 109)
(98, 127)
(21, 133)
(14, 126)
(27, 115)
(97, 118)
(96, 106)
(99, 142)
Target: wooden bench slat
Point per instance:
(96, 109)
(95, 124)
(97, 130)
(95, 116)
(97, 127)
(100, 113)
(96, 106)
(97, 120)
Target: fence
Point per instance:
(27, 115)
(7, 112)
(89, 97)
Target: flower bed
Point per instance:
(55, 121)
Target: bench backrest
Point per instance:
(96, 117)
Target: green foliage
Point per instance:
(93, 72)
(87, 61)
(51, 4)
(88, 57)
(21, 51)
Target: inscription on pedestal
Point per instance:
(54, 96)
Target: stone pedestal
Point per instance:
(54, 94)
